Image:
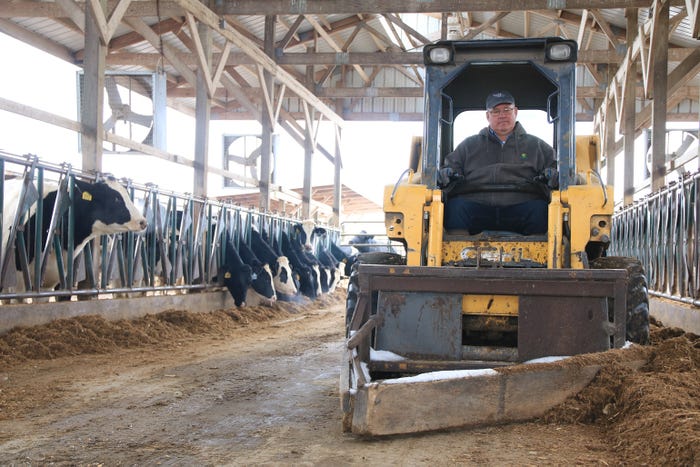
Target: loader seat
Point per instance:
(491, 235)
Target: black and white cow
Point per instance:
(99, 208)
(282, 277)
(346, 258)
(238, 276)
(306, 275)
(306, 232)
(262, 286)
(330, 266)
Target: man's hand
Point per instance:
(446, 175)
(549, 177)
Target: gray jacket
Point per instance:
(482, 160)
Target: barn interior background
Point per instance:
(256, 102)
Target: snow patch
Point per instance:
(441, 375)
(546, 359)
(384, 356)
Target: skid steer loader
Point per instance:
(437, 337)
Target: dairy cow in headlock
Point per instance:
(237, 276)
(327, 262)
(308, 277)
(262, 285)
(102, 207)
(279, 266)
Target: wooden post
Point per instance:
(629, 109)
(337, 181)
(202, 117)
(308, 161)
(92, 102)
(659, 71)
(267, 119)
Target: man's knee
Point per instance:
(537, 218)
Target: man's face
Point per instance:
(502, 118)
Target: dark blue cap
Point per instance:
(499, 97)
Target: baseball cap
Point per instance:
(499, 97)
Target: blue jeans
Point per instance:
(525, 218)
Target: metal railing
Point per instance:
(181, 249)
(662, 231)
(368, 235)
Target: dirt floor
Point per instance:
(260, 386)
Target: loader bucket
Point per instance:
(408, 368)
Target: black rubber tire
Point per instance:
(637, 295)
(374, 257)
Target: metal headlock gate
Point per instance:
(662, 231)
(180, 250)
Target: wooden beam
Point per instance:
(202, 58)
(151, 60)
(408, 29)
(393, 92)
(168, 8)
(331, 42)
(147, 33)
(38, 114)
(291, 32)
(253, 7)
(605, 27)
(473, 32)
(208, 17)
(693, 9)
(35, 40)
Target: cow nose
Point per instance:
(143, 224)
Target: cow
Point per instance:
(306, 275)
(346, 258)
(99, 208)
(262, 285)
(330, 265)
(237, 276)
(306, 231)
(282, 277)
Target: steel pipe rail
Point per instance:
(181, 250)
(663, 231)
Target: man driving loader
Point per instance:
(499, 179)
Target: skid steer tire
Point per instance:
(637, 295)
(375, 257)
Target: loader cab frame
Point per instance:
(539, 72)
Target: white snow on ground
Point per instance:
(384, 355)
(440, 375)
(546, 359)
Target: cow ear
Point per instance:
(86, 196)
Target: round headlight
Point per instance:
(440, 55)
(560, 52)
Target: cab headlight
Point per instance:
(439, 55)
(561, 52)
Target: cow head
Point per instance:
(306, 230)
(284, 282)
(107, 208)
(238, 276)
(237, 282)
(262, 283)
